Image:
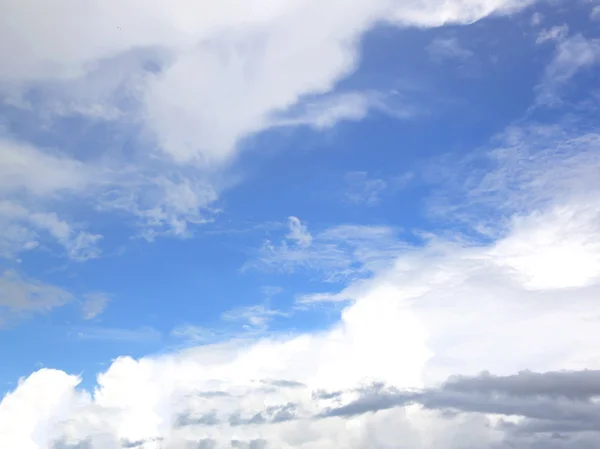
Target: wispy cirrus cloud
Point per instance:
(337, 253)
(572, 55)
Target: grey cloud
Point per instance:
(282, 383)
(533, 426)
(236, 419)
(212, 394)
(282, 413)
(132, 444)
(539, 407)
(373, 400)
(554, 441)
(206, 443)
(273, 414)
(85, 444)
(251, 444)
(207, 419)
(570, 384)
(320, 394)
(553, 403)
(21, 297)
(138, 444)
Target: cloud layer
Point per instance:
(387, 371)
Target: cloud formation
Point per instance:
(184, 84)
(387, 371)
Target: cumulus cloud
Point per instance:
(386, 372)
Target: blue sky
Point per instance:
(359, 198)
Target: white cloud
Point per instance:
(34, 181)
(438, 311)
(162, 205)
(328, 110)
(254, 317)
(25, 168)
(195, 78)
(298, 232)
(572, 56)
(28, 415)
(24, 228)
(223, 72)
(526, 301)
(338, 253)
(556, 33)
(530, 168)
(29, 180)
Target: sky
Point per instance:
(365, 224)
